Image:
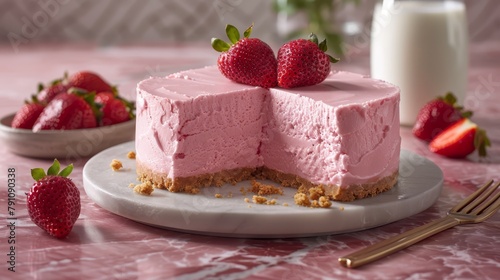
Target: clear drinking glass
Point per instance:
(422, 47)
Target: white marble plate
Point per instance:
(67, 144)
(418, 187)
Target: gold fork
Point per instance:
(473, 209)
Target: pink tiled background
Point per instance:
(112, 22)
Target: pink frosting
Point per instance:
(343, 131)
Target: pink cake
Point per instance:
(197, 128)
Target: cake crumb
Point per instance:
(264, 189)
(302, 189)
(116, 165)
(271, 202)
(324, 202)
(229, 195)
(313, 197)
(301, 199)
(285, 204)
(314, 204)
(247, 200)
(144, 189)
(321, 202)
(218, 195)
(259, 199)
(341, 208)
(243, 191)
(131, 155)
(191, 190)
(131, 185)
(316, 192)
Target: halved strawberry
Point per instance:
(437, 115)
(247, 61)
(460, 140)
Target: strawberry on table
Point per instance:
(103, 97)
(89, 81)
(114, 108)
(247, 61)
(303, 62)
(68, 111)
(26, 116)
(54, 201)
(437, 115)
(460, 140)
(47, 93)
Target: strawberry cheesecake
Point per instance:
(197, 129)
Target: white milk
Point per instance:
(422, 47)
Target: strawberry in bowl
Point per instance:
(26, 117)
(68, 111)
(113, 108)
(68, 103)
(70, 118)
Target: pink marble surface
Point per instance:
(103, 245)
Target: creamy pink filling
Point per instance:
(343, 131)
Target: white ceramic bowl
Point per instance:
(64, 144)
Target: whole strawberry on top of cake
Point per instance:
(198, 128)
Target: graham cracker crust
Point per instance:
(334, 192)
(193, 184)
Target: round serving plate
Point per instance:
(419, 185)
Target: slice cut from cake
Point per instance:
(197, 129)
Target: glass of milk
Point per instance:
(422, 47)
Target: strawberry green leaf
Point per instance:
(322, 46)
(247, 32)
(89, 98)
(467, 114)
(55, 82)
(114, 91)
(313, 38)
(232, 33)
(130, 106)
(37, 173)
(33, 99)
(40, 87)
(54, 168)
(450, 98)
(335, 42)
(66, 171)
(77, 91)
(481, 142)
(220, 45)
(333, 59)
